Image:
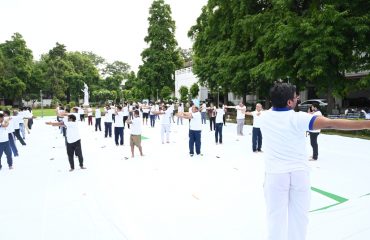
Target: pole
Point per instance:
(42, 106)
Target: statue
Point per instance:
(86, 95)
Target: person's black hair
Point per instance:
(220, 105)
(7, 112)
(137, 112)
(280, 93)
(72, 117)
(316, 105)
(1, 115)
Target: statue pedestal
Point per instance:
(85, 105)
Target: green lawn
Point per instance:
(45, 112)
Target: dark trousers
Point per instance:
(124, 121)
(108, 129)
(212, 123)
(194, 139)
(256, 139)
(97, 124)
(82, 117)
(218, 132)
(72, 149)
(224, 119)
(13, 147)
(89, 120)
(30, 123)
(118, 133)
(18, 136)
(152, 120)
(315, 146)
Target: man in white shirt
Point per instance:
(126, 114)
(195, 129)
(17, 120)
(10, 130)
(287, 182)
(118, 126)
(165, 122)
(256, 131)
(97, 118)
(73, 140)
(203, 110)
(135, 138)
(89, 116)
(314, 110)
(108, 121)
(4, 142)
(240, 117)
(180, 110)
(220, 112)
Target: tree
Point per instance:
(162, 57)
(194, 90)
(17, 64)
(184, 94)
(166, 92)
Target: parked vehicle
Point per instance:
(303, 106)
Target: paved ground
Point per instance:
(167, 195)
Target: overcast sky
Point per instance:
(113, 29)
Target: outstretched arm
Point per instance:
(340, 124)
(55, 123)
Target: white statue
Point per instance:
(86, 95)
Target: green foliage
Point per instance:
(72, 104)
(244, 46)
(184, 94)
(162, 57)
(194, 90)
(166, 92)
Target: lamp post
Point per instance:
(42, 105)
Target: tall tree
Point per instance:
(17, 66)
(162, 57)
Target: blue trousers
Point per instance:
(194, 139)
(256, 139)
(13, 147)
(204, 117)
(108, 129)
(152, 120)
(118, 133)
(218, 132)
(5, 147)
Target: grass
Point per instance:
(46, 112)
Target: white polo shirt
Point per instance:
(73, 134)
(220, 112)
(256, 119)
(3, 135)
(119, 120)
(166, 119)
(97, 113)
(284, 139)
(136, 126)
(108, 116)
(196, 122)
(240, 112)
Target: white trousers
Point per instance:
(165, 129)
(287, 198)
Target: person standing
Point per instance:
(73, 142)
(97, 119)
(220, 112)
(135, 137)
(212, 117)
(89, 116)
(314, 110)
(10, 130)
(118, 126)
(165, 122)
(256, 131)
(287, 182)
(240, 117)
(81, 112)
(180, 110)
(17, 120)
(125, 115)
(108, 121)
(152, 115)
(145, 109)
(203, 110)
(195, 129)
(4, 142)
